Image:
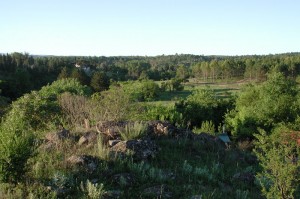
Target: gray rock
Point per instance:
(89, 163)
(88, 138)
(112, 143)
(139, 149)
(54, 137)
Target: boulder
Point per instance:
(113, 142)
(111, 128)
(89, 163)
(139, 149)
(88, 138)
(207, 139)
(164, 128)
(61, 135)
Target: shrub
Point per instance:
(161, 112)
(41, 107)
(92, 190)
(111, 105)
(278, 156)
(133, 131)
(16, 146)
(75, 108)
(146, 90)
(101, 149)
(265, 106)
(149, 90)
(206, 127)
(203, 105)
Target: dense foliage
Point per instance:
(23, 72)
(278, 155)
(203, 105)
(276, 101)
(91, 91)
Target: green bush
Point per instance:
(266, 105)
(203, 105)
(16, 146)
(114, 104)
(133, 131)
(278, 156)
(161, 112)
(75, 108)
(146, 90)
(149, 90)
(206, 127)
(38, 108)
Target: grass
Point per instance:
(222, 90)
(133, 131)
(185, 167)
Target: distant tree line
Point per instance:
(21, 72)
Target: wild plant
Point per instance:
(133, 131)
(92, 190)
(101, 149)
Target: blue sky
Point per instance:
(149, 27)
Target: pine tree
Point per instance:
(99, 81)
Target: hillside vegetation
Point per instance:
(90, 135)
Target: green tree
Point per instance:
(203, 105)
(196, 71)
(114, 104)
(205, 68)
(80, 76)
(175, 84)
(278, 156)
(182, 72)
(100, 81)
(266, 105)
(149, 90)
(16, 146)
(40, 107)
(64, 73)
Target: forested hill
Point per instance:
(20, 73)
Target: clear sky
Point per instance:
(149, 27)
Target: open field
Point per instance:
(222, 89)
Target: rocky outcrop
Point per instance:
(111, 129)
(88, 163)
(164, 128)
(88, 138)
(53, 140)
(140, 150)
(61, 135)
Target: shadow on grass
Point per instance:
(171, 95)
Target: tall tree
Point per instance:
(80, 76)
(182, 72)
(64, 73)
(100, 81)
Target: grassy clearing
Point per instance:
(222, 90)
